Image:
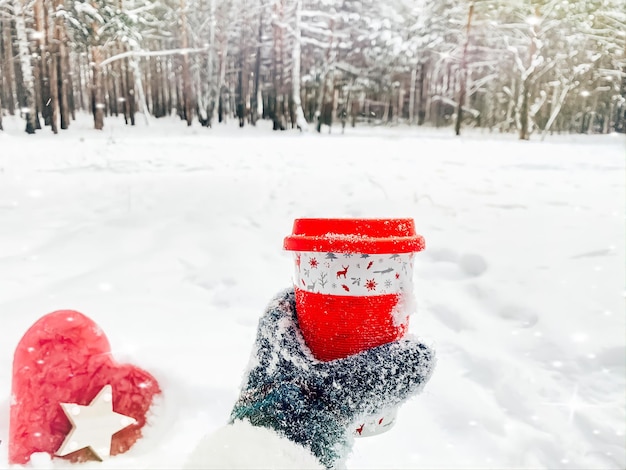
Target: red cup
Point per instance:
(353, 282)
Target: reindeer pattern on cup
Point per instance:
(353, 273)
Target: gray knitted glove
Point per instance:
(316, 403)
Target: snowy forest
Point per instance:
(515, 66)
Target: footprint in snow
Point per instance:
(448, 264)
(450, 318)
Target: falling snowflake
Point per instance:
(333, 285)
(370, 284)
(313, 262)
(347, 255)
(388, 283)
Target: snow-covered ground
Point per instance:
(170, 238)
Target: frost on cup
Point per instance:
(353, 281)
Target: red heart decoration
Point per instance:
(66, 358)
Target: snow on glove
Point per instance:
(314, 403)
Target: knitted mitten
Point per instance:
(315, 403)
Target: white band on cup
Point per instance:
(353, 274)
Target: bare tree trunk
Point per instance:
(161, 85)
(130, 92)
(510, 110)
(68, 78)
(223, 56)
(54, 88)
(278, 69)
(179, 96)
(158, 106)
(120, 89)
(120, 68)
(295, 71)
(53, 71)
(8, 66)
(205, 81)
(333, 107)
(491, 106)
(146, 83)
(41, 69)
(143, 107)
(1, 88)
(412, 97)
(524, 131)
(256, 102)
(166, 85)
(97, 104)
(322, 106)
(524, 97)
(81, 80)
(423, 105)
(114, 89)
(463, 80)
(26, 67)
(557, 103)
(62, 71)
(188, 105)
(388, 99)
(211, 79)
(620, 119)
(242, 74)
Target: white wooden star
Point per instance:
(93, 425)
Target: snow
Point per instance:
(170, 238)
(405, 308)
(242, 445)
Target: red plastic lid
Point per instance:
(371, 236)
